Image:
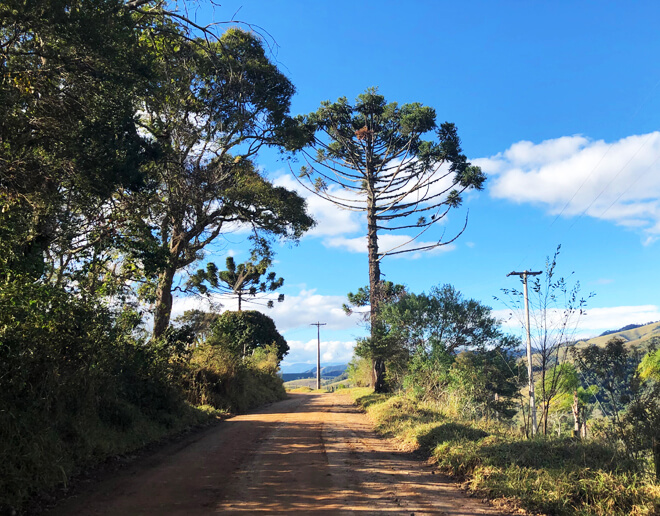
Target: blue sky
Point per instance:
(557, 101)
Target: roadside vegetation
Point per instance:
(547, 474)
(128, 144)
(458, 391)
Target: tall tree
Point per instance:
(242, 280)
(222, 102)
(375, 153)
(71, 71)
(74, 77)
(244, 332)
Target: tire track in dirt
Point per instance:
(310, 454)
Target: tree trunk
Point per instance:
(374, 285)
(576, 416)
(163, 301)
(655, 445)
(379, 375)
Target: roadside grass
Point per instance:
(37, 456)
(302, 388)
(327, 384)
(41, 451)
(550, 475)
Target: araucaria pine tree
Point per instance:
(372, 157)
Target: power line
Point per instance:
(648, 137)
(583, 183)
(630, 186)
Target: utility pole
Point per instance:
(530, 372)
(318, 353)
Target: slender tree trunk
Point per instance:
(546, 410)
(378, 362)
(163, 301)
(655, 446)
(576, 416)
(239, 301)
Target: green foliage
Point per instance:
(548, 475)
(389, 292)
(242, 333)
(223, 380)
(448, 349)
(630, 405)
(197, 322)
(76, 386)
(440, 321)
(71, 74)
(244, 279)
(611, 368)
(649, 367)
(212, 121)
(127, 142)
(359, 372)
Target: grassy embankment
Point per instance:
(547, 475)
(77, 389)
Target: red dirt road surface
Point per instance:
(310, 454)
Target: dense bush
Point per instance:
(75, 387)
(220, 378)
(79, 383)
(245, 331)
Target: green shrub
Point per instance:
(220, 378)
(551, 475)
(75, 387)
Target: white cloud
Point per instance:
(612, 318)
(593, 322)
(294, 312)
(618, 182)
(333, 351)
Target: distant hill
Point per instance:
(331, 371)
(304, 367)
(625, 328)
(633, 334)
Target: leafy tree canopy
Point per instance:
(243, 332)
(441, 320)
(649, 368)
(244, 279)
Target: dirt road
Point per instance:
(310, 454)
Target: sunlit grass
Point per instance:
(549, 475)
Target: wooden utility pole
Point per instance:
(530, 372)
(318, 353)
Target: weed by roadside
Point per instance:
(558, 476)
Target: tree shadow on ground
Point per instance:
(448, 432)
